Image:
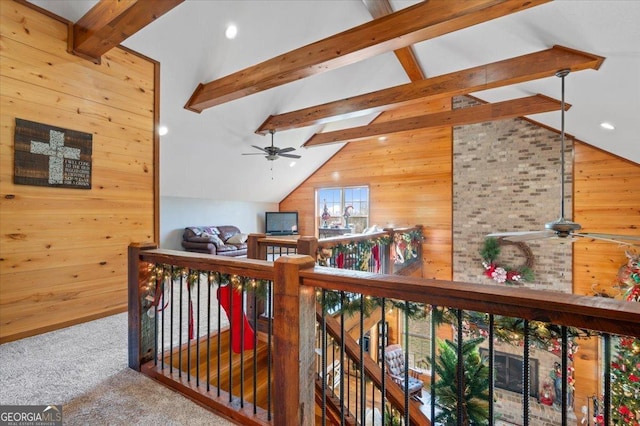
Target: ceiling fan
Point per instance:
(273, 152)
(562, 227)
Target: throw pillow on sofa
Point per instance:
(213, 238)
(237, 239)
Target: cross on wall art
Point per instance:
(51, 156)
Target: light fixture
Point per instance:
(291, 164)
(608, 126)
(163, 130)
(231, 31)
(382, 138)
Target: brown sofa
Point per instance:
(224, 240)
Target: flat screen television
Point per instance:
(281, 223)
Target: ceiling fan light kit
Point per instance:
(563, 228)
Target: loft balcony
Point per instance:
(286, 341)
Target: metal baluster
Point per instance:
(163, 312)
(156, 300)
(209, 282)
(433, 365)
(406, 362)
(362, 381)
(269, 334)
(383, 336)
(230, 316)
(197, 332)
(565, 370)
(171, 324)
(460, 376)
(342, 413)
(606, 405)
(525, 374)
(242, 331)
(491, 369)
(219, 334)
(323, 362)
(189, 316)
(255, 347)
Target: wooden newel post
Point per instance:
(255, 250)
(140, 346)
(294, 343)
(308, 246)
(386, 262)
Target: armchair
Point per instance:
(394, 360)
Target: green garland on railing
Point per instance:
(510, 330)
(334, 304)
(258, 286)
(365, 246)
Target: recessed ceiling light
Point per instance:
(291, 164)
(382, 138)
(231, 31)
(608, 126)
(163, 130)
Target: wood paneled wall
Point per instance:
(606, 200)
(64, 251)
(409, 178)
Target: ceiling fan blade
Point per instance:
(522, 235)
(258, 147)
(289, 155)
(254, 153)
(612, 238)
(289, 149)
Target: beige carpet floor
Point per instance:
(84, 369)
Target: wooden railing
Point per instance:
(296, 282)
(390, 251)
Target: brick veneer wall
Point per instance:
(507, 178)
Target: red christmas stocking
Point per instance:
(237, 318)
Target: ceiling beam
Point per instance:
(406, 55)
(411, 25)
(476, 114)
(109, 23)
(528, 67)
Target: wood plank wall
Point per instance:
(409, 178)
(64, 251)
(606, 200)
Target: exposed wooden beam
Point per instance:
(503, 73)
(476, 114)
(406, 55)
(411, 25)
(109, 23)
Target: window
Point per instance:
(343, 207)
(419, 341)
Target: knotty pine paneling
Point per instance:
(606, 193)
(409, 178)
(607, 190)
(63, 252)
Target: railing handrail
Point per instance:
(260, 269)
(588, 312)
(349, 238)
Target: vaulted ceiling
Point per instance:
(318, 72)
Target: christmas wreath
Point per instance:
(502, 273)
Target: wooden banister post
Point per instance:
(294, 343)
(308, 246)
(386, 263)
(255, 250)
(140, 345)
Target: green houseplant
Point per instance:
(475, 405)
